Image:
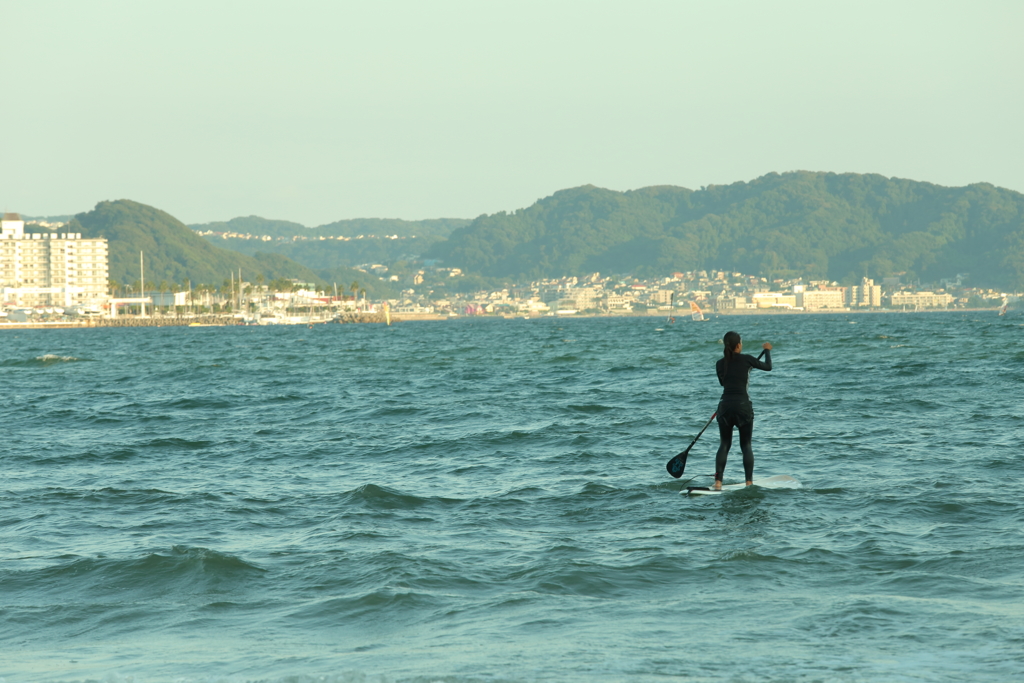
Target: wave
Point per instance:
(371, 605)
(589, 408)
(301, 676)
(159, 576)
(178, 444)
(566, 570)
(135, 500)
(381, 498)
(99, 454)
(199, 404)
(40, 361)
(358, 499)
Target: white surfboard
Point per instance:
(779, 481)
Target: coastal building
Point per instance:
(821, 299)
(618, 302)
(51, 268)
(567, 296)
(917, 300)
(662, 297)
(773, 300)
(866, 294)
(727, 302)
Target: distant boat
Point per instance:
(696, 313)
(287, 320)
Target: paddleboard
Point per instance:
(779, 481)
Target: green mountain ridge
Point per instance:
(319, 254)
(811, 224)
(174, 253)
(814, 225)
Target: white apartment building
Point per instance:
(921, 300)
(773, 300)
(617, 302)
(867, 293)
(724, 302)
(570, 297)
(662, 296)
(817, 299)
(50, 269)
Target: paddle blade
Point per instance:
(676, 465)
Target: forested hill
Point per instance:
(815, 225)
(173, 252)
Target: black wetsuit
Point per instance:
(735, 409)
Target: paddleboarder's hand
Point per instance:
(767, 346)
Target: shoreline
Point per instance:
(230, 321)
(209, 320)
(684, 317)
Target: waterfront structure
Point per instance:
(821, 299)
(726, 302)
(662, 297)
(568, 296)
(618, 302)
(921, 299)
(867, 293)
(773, 300)
(50, 268)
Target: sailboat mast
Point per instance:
(142, 285)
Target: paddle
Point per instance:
(676, 465)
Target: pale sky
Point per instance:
(315, 111)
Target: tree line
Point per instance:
(801, 224)
(176, 257)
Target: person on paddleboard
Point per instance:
(735, 409)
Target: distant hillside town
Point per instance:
(51, 275)
(232, 235)
(723, 292)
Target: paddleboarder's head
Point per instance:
(732, 343)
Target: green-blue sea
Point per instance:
(487, 500)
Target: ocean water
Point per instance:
(486, 500)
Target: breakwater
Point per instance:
(211, 320)
(357, 317)
(166, 321)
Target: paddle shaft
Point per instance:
(712, 419)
